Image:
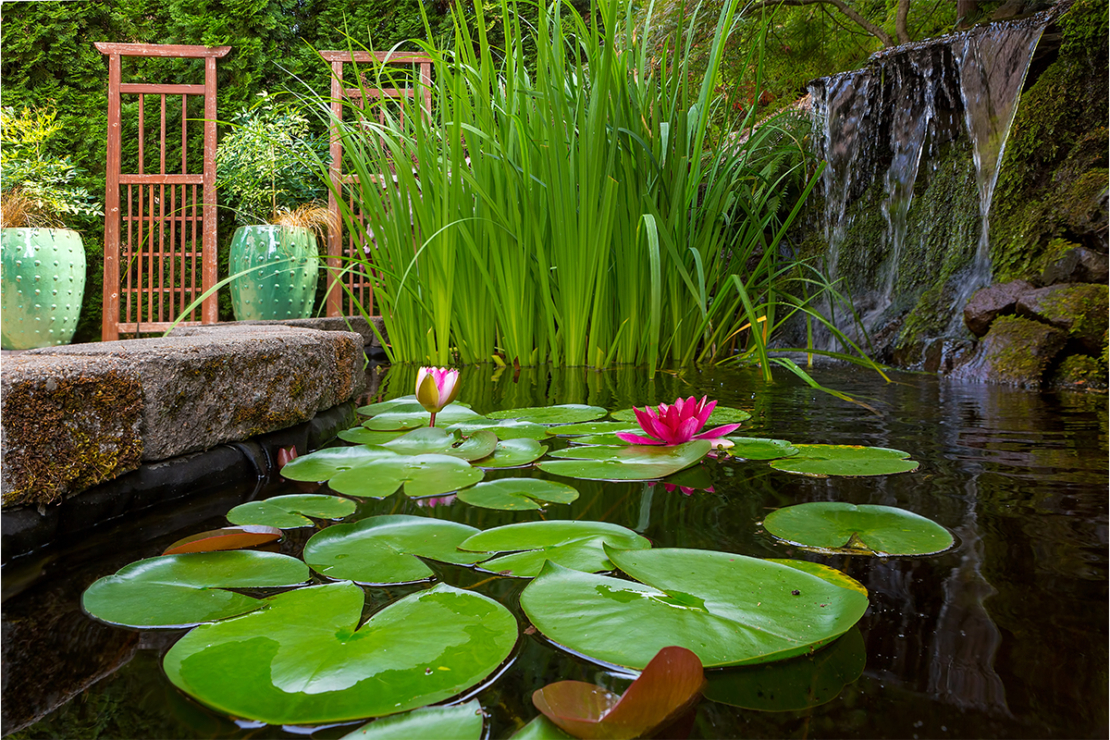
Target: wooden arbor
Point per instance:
(167, 219)
(355, 286)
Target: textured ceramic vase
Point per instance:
(283, 266)
(43, 283)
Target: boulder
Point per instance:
(357, 324)
(1079, 310)
(1015, 351)
(1078, 265)
(991, 302)
(69, 423)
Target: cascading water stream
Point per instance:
(993, 65)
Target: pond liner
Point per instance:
(28, 530)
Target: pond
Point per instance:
(1004, 635)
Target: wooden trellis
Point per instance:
(358, 288)
(166, 220)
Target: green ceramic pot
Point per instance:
(43, 283)
(284, 267)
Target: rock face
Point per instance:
(1079, 310)
(1015, 351)
(991, 302)
(1078, 265)
(79, 415)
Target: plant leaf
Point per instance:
(383, 550)
(633, 462)
(572, 544)
(421, 475)
(855, 460)
(291, 512)
(516, 494)
(513, 453)
(228, 538)
(567, 413)
(459, 722)
(305, 660)
(757, 448)
(866, 529)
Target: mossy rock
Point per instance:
(1080, 310)
(1079, 372)
(1015, 351)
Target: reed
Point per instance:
(572, 206)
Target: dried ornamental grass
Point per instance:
(21, 211)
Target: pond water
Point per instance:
(1005, 635)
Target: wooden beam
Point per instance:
(135, 88)
(162, 50)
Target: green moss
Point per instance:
(1054, 171)
(1082, 308)
(67, 434)
(1080, 371)
(1014, 354)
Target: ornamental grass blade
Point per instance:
(670, 684)
(228, 538)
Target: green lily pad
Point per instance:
(571, 544)
(541, 728)
(421, 475)
(513, 453)
(593, 427)
(360, 435)
(183, 590)
(600, 440)
(304, 660)
(323, 464)
(721, 415)
(433, 440)
(757, 448)
(866, 529)
(792, 685)
(460, 722)
(383, 550)
(401, 403)
(634, 462)
(824, 572)
(291, 512)
(823, 460)
(517, 494)
(404, 417)
(503, 428)
(728, 609)
(568, 413)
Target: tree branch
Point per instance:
(840, 5)
(900, 21)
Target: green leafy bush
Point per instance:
(37, 187)
(265, 164)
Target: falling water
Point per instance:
(993, 63)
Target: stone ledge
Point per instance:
(80, 415)
(356, 324)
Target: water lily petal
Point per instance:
(636, 439)
(718, 432)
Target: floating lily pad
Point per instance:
(228, 538)
(568, 413)
(460, 722)
(824, 572)
(385, 550)
(572, 544)
(304, 659)
(421, 475)
(721, 415)
(824, 460)
(517, 494)
(729, 609)
(183, 590)
(433, 440)
(503, 428)
(360, 435)
(792, 685)
(592, 427)
(541, 728)
(405, 417)
(668, 686)
(689, 480)
(757, 448)
(291, 512)
(401, 403)
(866, 529)
(599, 440)
(512, 453)
(323, 464)
(634, 462)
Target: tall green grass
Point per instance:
(568, 205)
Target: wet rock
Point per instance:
(1079, 310)
(991, 302)
(1015, 351)
(68, 424)
(1079, 372)
(1078, 265)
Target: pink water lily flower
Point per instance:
(435, 388)
(676, 423)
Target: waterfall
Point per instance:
(880, 130)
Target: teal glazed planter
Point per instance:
(284, 267)
(43, 283)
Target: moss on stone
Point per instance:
(1054, 172)
(1080, 371)
(1082, 308)
(68, 432)
(1021, 349)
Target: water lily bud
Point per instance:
(435, 388)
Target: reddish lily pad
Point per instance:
(669, 685)
(228, 538)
